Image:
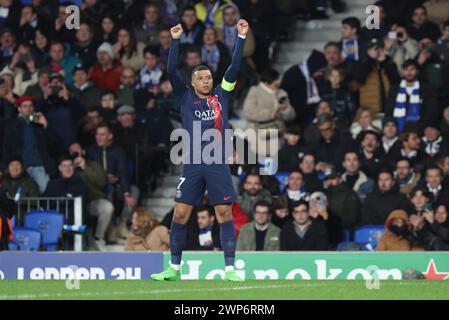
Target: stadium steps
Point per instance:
(315, 34)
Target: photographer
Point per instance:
(23, 68)
(400, 47)
(98, 206)
(27, 137)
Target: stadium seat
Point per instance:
(49, 223)
(282, 178)
(367, 234)
(13, 221)
(349, 246)
(25, 239)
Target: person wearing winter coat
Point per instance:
(253, 192)
(397, 235)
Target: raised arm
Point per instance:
(231, 74)
(178, 84)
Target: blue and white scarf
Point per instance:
(432, 148)
(408, 104)
(312, 90)
(4, 13)
(350, 49)
(209, 21)
(171, 16)
(150, 79)
(211, 56)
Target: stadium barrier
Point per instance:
(250, 266)
(70, 207)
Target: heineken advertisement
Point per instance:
(196, 265)
(317, 266)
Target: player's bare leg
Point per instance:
(228, 239)
(178, 237)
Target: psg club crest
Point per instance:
(178, 194)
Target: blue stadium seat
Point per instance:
(25, 239)
(349, 246)
(49, 223)
(13, 221)
(367, 234)
(282, 178)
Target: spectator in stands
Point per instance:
(320, 211)
(114, 163)
(166, 100)
(438, 223)
(68, 184)
(343, 201)
(412, 102)
(8, 45)
(442, 45)
(61, 58)
(85, 49)
(355, 178)
(37, 90)
(280, 212)
(108, 32)
(370, 155)
(420, 27)
(88, 127)
(434, 70)
(191, 60)
(383, 200)
(11, 16)
(210, 12)
(193, 28)
(333, 144)
(146, 233)
(376, 76)
(26, 137)
(106, 72)
(267, 107)
(390, 140)
(128, 50)
(260, 234)
(253, 192)
(295, 190)
(433, 145)
(129, 87)
(367, 33)
(444, 126)
(148, 31)
(406, 177)
(351, 48)
(23, 68)
(206, 234)
(151, 72)
(109, 106)
(7, 99)
(365, 120)
(84, 90)
(303, 233)
(293, 150)
(164, 47)
(400, 47)
(397, 235)
(419, 197)
(311, 181)
(16, 181)
(214, 54)
(299, 81)
(433, 183)
(40, 48)
(410, 148)
(335, 91)
(94, 177)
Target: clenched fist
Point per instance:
(242, 27)
(176, 31)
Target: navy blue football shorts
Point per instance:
(197, 178)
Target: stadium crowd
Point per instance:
(364, 124)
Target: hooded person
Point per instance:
(398, 235)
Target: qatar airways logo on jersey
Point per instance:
(229, 146)
(206, 115)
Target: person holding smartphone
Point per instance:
(400, 47)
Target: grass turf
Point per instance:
(219, 290)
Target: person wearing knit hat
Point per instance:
(106, 47)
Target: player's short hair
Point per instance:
(202, 67)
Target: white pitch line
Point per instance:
(117, 293)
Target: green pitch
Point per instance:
(219, 290)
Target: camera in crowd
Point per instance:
(34, 117)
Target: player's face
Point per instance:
(202, 82)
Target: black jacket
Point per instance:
(116, 162)
(315, 239)
(13, 143)
(290, 157)
(70, 187)
(378, 206)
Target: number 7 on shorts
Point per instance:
(181, 181)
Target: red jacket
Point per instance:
(109, 79)
(240, 217)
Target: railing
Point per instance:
(71, 208)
